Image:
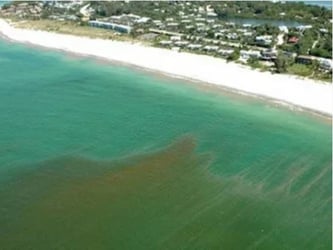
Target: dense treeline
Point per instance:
(264, 9)
(145, 8)
(270, 10)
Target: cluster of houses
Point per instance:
(21, 10)
(194, 28)
(177, 43)
(108, 25)
(121, 23)
(34, 9)
(189, 32)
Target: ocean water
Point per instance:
(101, 156)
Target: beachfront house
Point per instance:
(225, 52)
(175, 38)
(194, 46)
(304, 59)
(246, 54)
(181, 43)
(268, 55)
(108, 25)
(165, 42)
(211, 48)
(325, 64)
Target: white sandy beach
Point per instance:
(305, 93)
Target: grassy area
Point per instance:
(307, 71)
(300, 69)
(256, 64)
(327, 77)
(72, 28)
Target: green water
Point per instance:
(96, 156)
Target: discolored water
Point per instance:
(96, 156)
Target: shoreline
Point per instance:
(284, 90)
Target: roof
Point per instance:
(293, 39)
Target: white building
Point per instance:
(211, 48)
(264, 40)
(181, 43)
(165, 42)
(226, 52)
(175, 38)
(283, 29)
(325, 64)
(194, 46)
(246, 54)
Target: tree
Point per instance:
(253, 62)
(234, 55)
(210, 34)
(320, 52)
(282, 63)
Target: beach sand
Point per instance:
(286, 89)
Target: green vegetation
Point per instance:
(300, 69)
(282, 63)
(256, 64)
(323, 47)
(73, 28)
(142, 8)
(269, 10)
(234, 56)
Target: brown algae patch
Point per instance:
(164, 200)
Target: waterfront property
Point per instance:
(304, 59)
(108, 25)
(324, 64)
(193, 23)
(246, 54)
(269, 55)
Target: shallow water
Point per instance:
(96, 156)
